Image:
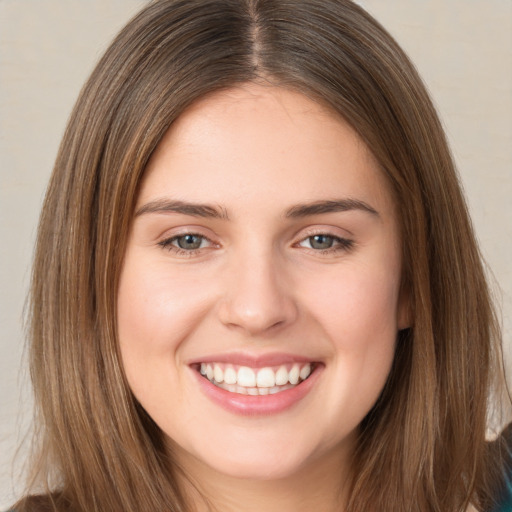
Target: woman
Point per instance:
(256, 197)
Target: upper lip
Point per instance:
(253, 360)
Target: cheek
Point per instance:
(357, 312)
(157, 310)
(357, 305)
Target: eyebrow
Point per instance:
(339, 205)
(216, 212)
(183, 207)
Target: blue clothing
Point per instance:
(506, 499)
(506, 506)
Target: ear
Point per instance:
(405, 318)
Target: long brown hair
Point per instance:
(422, 447)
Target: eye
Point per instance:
(189, 242)
(323, 242)
(320, 241)
(186, 243)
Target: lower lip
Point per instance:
(250, 405)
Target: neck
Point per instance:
(320, 485)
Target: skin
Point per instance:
(258, 285)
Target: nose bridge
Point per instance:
(258, 296)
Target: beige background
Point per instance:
(463, 49)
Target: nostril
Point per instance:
(256, 318)
(257, 294)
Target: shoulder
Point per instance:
(505, 495)
(505, 499)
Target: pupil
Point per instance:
(189, 242)
(321, 242)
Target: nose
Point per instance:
(258, 295)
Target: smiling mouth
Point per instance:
(245, 380)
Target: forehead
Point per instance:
(245, 141)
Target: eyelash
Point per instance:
(339, 244)
(168, 244)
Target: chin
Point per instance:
(259, 468)
(261, 457)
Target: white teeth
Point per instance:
(266, 378)
(282, 376)
(293, 376)
(305, 372)
(249, 381)
(246, 377)
(229, 375)
(218, 374)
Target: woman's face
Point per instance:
(259, 297)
